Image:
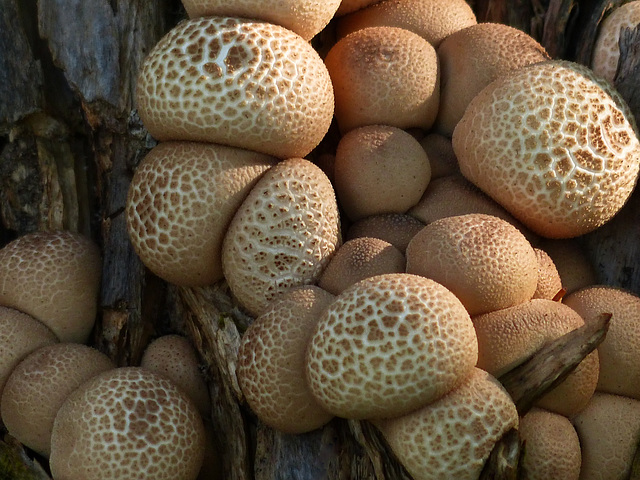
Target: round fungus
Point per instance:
(127, 424)
(39, 385)
(283, 234)
(567, 164)
(271, 361)
(549, 281)
(388, 345)
(181, 200)
(572, 263)
(384, 76)
(348, 6)
(396, 228)
(442, 158)
(55, 278)
(237, 82)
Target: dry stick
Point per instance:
(15, 464)
(504, 460)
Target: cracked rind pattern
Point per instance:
(552, 144)
(130, 424)
(181, 200)
(453, 436)
(388, 345)
(283, 234)
(236, 82)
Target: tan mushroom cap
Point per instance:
(396, 228)
(304, 17)
(173, 357)
(606, 51)
(127, 424)
(485, 261)
(551, 446)
(442, 158)
(358, 259)
(549, 281)
(572, 263)
(433, 20)
(181, 200)
(20, 334)
(509, 336)
(620, 350)
(55, 278)
(271, 361)
(348, 6)
(283, 234)
(472, 58)
(379, 169)
(453, 436)
(39, 385)
(608, 429)
(237, 82)
(567, 164)
(388, 345)
(384, 76)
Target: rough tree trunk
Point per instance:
(70, 140)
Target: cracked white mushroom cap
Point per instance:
(181, 200)
(54, 277)
(237, 82)
(304, 17)
(127, 424)
(554, 145)
(453, 436)
(389, 344)
(283, 234)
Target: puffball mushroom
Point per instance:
(396, 228)
(453, 436)
(389, 344)
(484, 260)
(384, 76)
(379, 169)
(237, 82)
(181, 200)
(283, 234)
(552, 144)
(271, 361)
(348, 6)
(549, 281)
(54, 277)
(39, 385)
(304, 17)
(127, 424)
(442, 158)
(570, 259)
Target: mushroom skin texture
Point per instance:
(283, 234)
(271, 361)
(181, 200)
(453, 436)
(549, 281)
(396, 228)
(39, 385)
(572, 263)
(348, 6)
(384, 76)
(484, 260)
(55, 278)
(304, 17)
(127, 424)
(237, 82)
(564, 167)
(442, 158)
(388, 345)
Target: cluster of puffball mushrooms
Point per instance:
(392, 279)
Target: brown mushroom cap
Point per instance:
(305, 17)
(396, 228)
(348, 6)
(283, 234)
(271, 361)
(453, 436)
(509, 336)
(54, 277)
(570, 259)
(379, 169)
(485, 261)
(384, 76)
(358, 259)
(442, 158)
(173, 357)
(433, 20)
(620, 350)
(181, 200)
(237, 82)
(130, 424)
(39, 385)
(549, 281)
(472, 58)
(20, 334)
(567, 164)
(388, 345)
